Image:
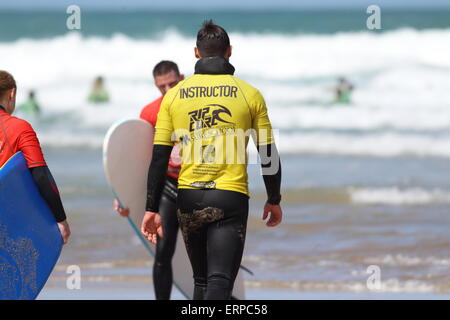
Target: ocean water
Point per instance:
(363, 184)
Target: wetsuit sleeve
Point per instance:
(28, 143)
(156, 176)
(263, 137)
(260, 121)
(49, 191)
(164, 126)
(271, 171)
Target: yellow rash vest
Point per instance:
(212, 114)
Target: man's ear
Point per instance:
(12, 101)
(12, 93)
(229, 52)
(197, 54)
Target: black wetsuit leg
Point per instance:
(165, 246)
(214, 224)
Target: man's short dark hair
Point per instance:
(212, 40)
(164, 67)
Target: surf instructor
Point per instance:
(210, 115)
(166, 75)
(18, 135)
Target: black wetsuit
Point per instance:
(49, 191)
(212, 217)
(165, 246)
(214, 224)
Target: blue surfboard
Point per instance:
(30, 240)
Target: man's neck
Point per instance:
(213, 65)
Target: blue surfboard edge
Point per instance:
(30, 240)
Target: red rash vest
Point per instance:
(150, 114)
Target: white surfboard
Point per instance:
(127, 153)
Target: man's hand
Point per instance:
(124, 212)
(151, 225)
(276, 214)
(65, 230)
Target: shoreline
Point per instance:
(139, 292)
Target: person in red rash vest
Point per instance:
(166, 75)
(18, 135)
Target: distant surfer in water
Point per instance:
(30, 106)
(98, 94)
(204, 113)
(343, 91)
(18, 135)
(166, 75)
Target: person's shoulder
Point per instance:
(181, 83)
(19, 124)
(244, 85)
(17, 128)
(247, 89)
(154, 104)
(150, 111)
(170, 95)
(174, 91)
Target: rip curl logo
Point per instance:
(208, 116)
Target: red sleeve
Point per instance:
(148, 115)
(150, 112)
(28, 143)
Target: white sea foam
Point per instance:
(408, 261)
(380, 144)
(391, 285)
(396, 196)
(400, 105)
(395, 286)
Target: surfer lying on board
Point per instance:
(18, 135)
(166, 76)
(202, 113)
